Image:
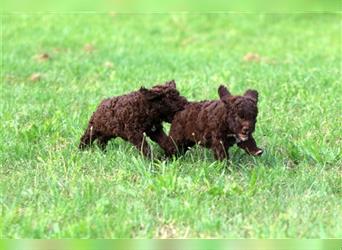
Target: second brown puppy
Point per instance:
(218, 124)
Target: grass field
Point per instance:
(49, 189)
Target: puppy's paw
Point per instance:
(258, 152)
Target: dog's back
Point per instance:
(197, 122)
(113, 115)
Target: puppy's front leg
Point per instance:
(156, 133)
(250, 147)
(89, 136)
(219, 150)
(139, 141)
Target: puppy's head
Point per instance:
(165, 99)
(242, 112)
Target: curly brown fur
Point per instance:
(218, 124)
(134, 115)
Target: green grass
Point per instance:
(49, 189)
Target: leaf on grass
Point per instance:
(256, 58)
(42, 57)
(35, 77)
(252, 57)
(88, 47)
(108, 64)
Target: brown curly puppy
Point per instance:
(218, 124)
(134, 115)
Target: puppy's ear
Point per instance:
(223, 92)
(149, 94)
(253, 94)
(225, 96)
(171, 84)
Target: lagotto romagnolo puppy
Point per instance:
(134, 115)
(218, 124)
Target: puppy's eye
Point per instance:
(241, 116)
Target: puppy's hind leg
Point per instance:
(180, 147)
(102, 141)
